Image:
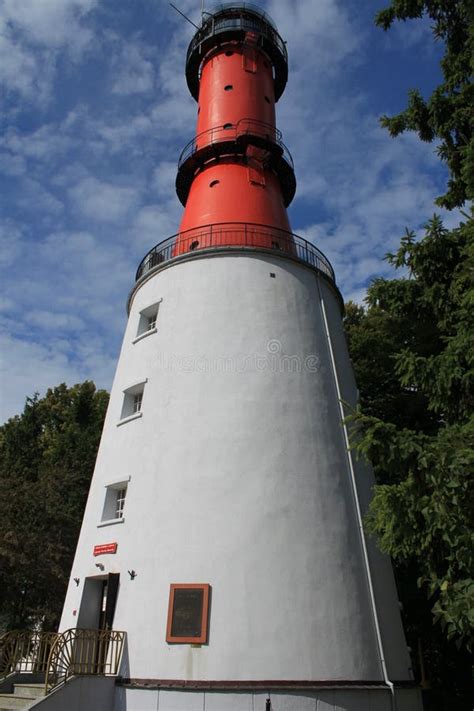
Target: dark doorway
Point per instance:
(108, 601)
(97, 611)
(98, 603)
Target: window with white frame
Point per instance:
(114, 504)
(137, 402)
(147, 321)
(120, 502)
(132, 401)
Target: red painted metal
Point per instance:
(246, 99)
(233, 192)
(236, 88)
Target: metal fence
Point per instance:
(241, 16)
(230, 132)
(77, 652)
(25, 651)
(235, 234)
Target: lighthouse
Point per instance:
(223, 532)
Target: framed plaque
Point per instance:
(188, 613)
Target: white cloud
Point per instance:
(49, 22)
(36, 199)
(19, 70)
(46, 142)
(101, 200)
(12, 165)
(29, 366)
(119, 133)
(133, 71)
(53, 319)
(32, 32)
(163, 180)
(155, 223)
(10, 242)
(64, 315)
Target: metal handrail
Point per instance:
(236, 234)
(79, 652)
(230, 132)
(25, 651)
(260, 22)
(242, 6)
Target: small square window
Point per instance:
(188, 613)
(114, 503)
(132, 401)
(147, 320)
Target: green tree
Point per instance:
(447, 115)
(415, 343)
(413, 352)
(47, 457)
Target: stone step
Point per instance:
(34, 690)
(11, 702)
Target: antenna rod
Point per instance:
(183, 15)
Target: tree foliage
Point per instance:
(447, 115)
(420, 439)
(47, 457)
(413, 352)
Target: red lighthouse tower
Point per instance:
(236, 177)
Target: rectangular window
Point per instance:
(188, 613)
(132, 402)
(114, 504)
(147, 321)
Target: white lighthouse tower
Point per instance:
(223, 530)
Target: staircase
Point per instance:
(23, 696)
(33, 664)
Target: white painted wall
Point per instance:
(239, 479)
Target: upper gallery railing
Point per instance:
(236, 234)
(238, 15)
(230, 21)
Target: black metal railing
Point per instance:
(219, 7)
(227, 20)
(238, 16)
(235, 234)
(232, 132)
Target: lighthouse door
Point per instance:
(98, 602)
(108, 601)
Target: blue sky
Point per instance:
(95, 111)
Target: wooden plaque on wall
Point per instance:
(188, 613)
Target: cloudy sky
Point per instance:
(95, 111)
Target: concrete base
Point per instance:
(132, 699)
(85, 693)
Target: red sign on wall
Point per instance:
(104, 548)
